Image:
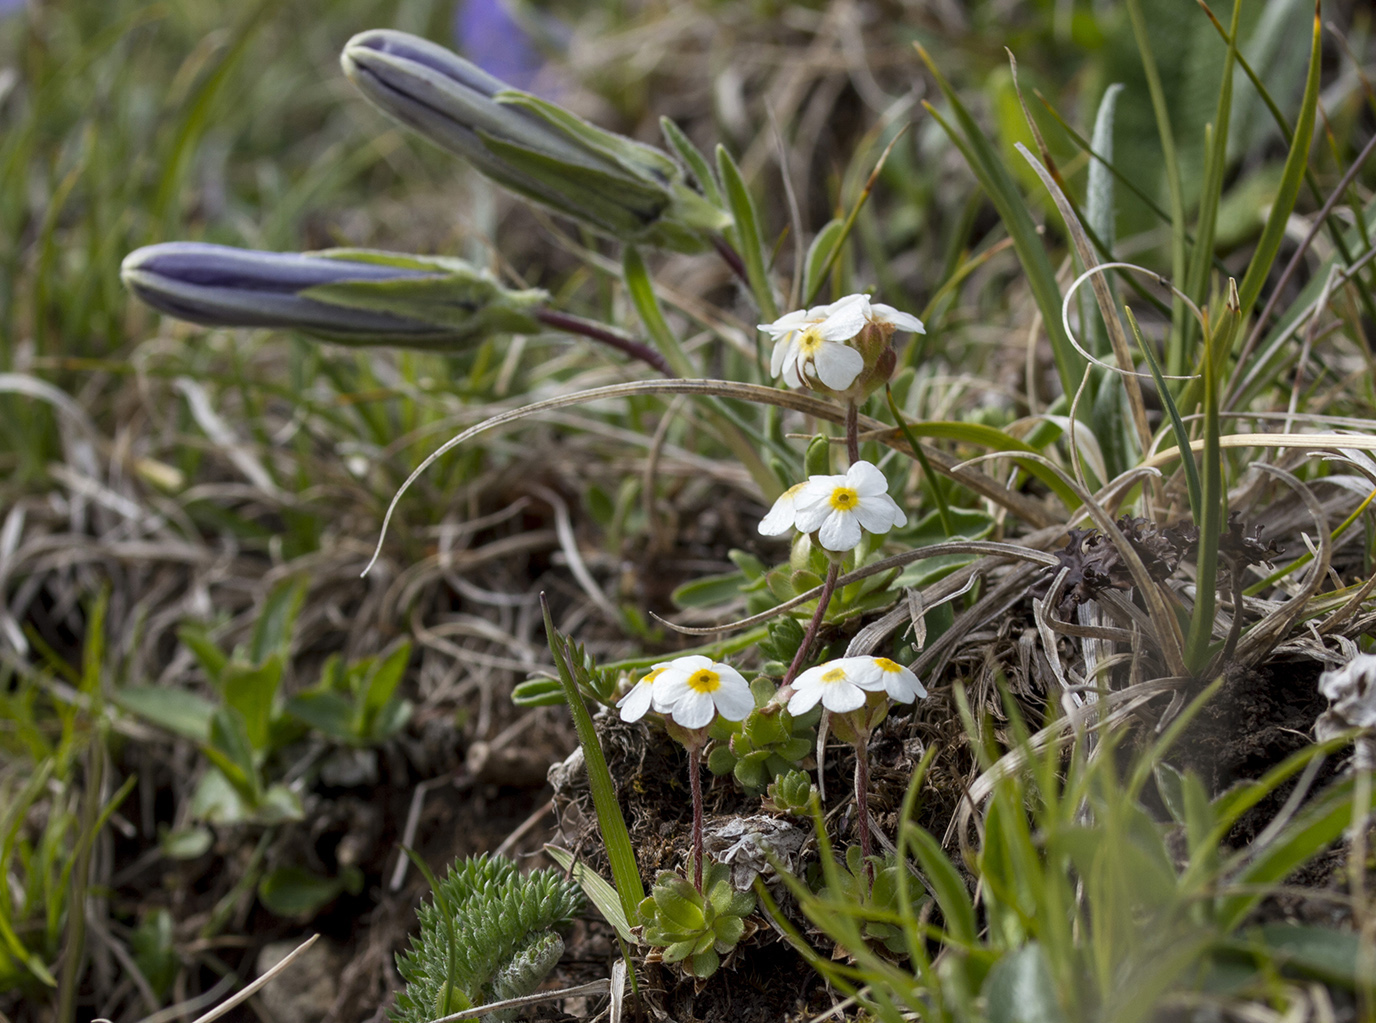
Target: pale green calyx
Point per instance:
(695, 928)
(487, 935)
(612, 184)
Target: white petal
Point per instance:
(791, 375)
(866, 479)
(844, 321)
(734, 702)
(786, 323)
(837, 366)
(840, 532)
(877, 514)
(635, 703)
(840, 697)
(781, 516)
(902, 321)
(776, 358)
(803, 700)
(693, 709)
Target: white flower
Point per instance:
(780, 517)
(835, 683)
(697, 688)
(838, 507)
(876, 673)
(643, 696)
(809, 344)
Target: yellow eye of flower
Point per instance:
(704, 681)
(844, 499)
(884, 664)
(649, 679)
(834, 675)
(810, 341)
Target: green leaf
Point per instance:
(1320, 952)
(747, 231)
(296, 892)
(326, 712)
(185, 843)
(709, 590)
(538, 692)
(251, 689)
(819, 255)
(382, 683)
(689, 153)
(176, 710)
(1020, 989)
(196, 638)
(272, 633)
(154, 950)
(595, 887)
(957, 909)
(615, 837)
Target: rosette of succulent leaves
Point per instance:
(488, 933)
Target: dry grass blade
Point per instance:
(239, 997)
(596, 987)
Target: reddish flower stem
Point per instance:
(853, 432)
(695, 784)
(828, 587)
(604, 334)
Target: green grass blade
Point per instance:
(1182, 435)
(1295, 164)
(595, 887)
(612, 825)
(1175, 354)
(747, 220)
(998, 184)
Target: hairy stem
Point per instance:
(695, 784)
(828, 587)
(862, 800)
(604, 334)
(852, 432)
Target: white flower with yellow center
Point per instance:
(837, 508)
(836, 684)
(695, 689)
(876, 673)
(809, 344)
(643, 696)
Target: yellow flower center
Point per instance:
(844, 499)
(809, 342)
(649, 679)
(704, 681)
(834, 675)
(884, 664)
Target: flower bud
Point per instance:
(354, 296)
(612, 184)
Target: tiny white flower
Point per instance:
(643, 696)
(876, 673)
(780, 517)
(697, 688)
(835, 683)
(809, 344)
(838, 507)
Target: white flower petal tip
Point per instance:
(876, 673)
(837, 508)
(643, 696)
(887, 315)
(696, 689)
(781, 516)
(836, 684)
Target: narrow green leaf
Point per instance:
(996, 181)
(742, 208)
(819, 257)
(1295, 164)
(1182, 435)
(176, 710)
(615, 836)
(690, 155)
(642, 294)
(595, 887)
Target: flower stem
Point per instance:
(695, 784)
(862, 800)
(600, 332)
(852, 432)
(828, 587)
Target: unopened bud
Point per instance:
(612, 184)
(354, 296)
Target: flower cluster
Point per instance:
(842, 348)
(837, 508)
(691, 690)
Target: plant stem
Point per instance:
(862, 800)
(732, 258)
(852, 432)
(599, 332)
(695, 784)
(828, 587)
